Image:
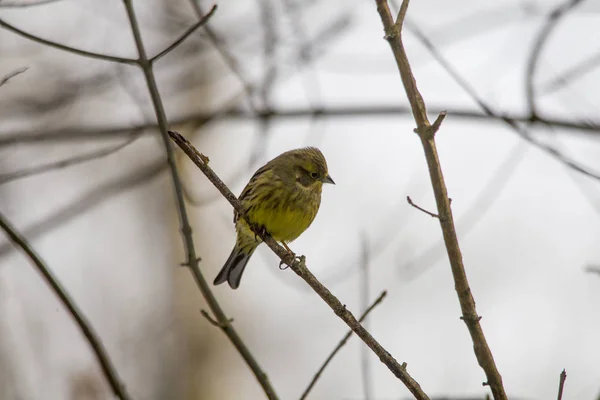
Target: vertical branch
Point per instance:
(186, 229)
(85, 326)
(561, 384)
(426, 132)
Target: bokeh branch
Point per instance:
(69, 49)
(299, 267)
(108, 369)
(201, 22)
(8, 77)
(426, 133)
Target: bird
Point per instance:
(282, 199)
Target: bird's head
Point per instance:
(310, 167)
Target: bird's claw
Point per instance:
(289, 260)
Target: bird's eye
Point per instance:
(314, 175)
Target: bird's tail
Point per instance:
(234, 266)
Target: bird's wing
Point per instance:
(248, 189)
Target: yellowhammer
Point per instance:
(282, 198)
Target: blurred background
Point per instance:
(83, 176)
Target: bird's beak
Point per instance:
(328, 179)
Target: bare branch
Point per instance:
(576, 72)
(44, 168)
(11, 75)
(401, 16)
(561, 384)
(534, 57)
(231, 113)
(186, 229)
(467, 303)
(187, 33)
(433, 215)
(299, 267)
(339, 346)
(108, 369)
(69, 49)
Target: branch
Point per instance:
(11, 75)
(108, 369)
(201, 118)
(561, 383)
(186, 229)
(340, 345)
(433, 215)
(539, 43)
(187, 33)
(69, 49)
(299, 267)
(425, 131)
(44, 168)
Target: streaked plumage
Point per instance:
(283, 197)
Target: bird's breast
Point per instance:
(286, 214)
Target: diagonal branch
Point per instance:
(108, 369)
(299, 267)
(52, 166)
(69, 49)
(340, 345)
(12, 75)
(187, 33)
(426, 133)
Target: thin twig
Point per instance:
(424, 129)
(433, 215)
(186, 229)
(340, 345)
(299, 267)
(561, 384)
(69, 49)
(570, 74)
(534, 56)
(44, 168)
(108, 369)
(184, 36)
(12, 75)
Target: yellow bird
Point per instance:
(283, 198)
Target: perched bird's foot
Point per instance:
(289, 260)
